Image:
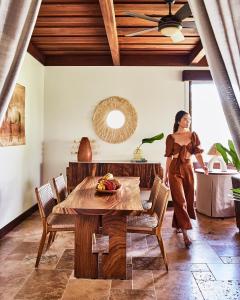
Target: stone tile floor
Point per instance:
(209, 270)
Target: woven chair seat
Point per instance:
(61, 221)
(142, 221)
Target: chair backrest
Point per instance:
(46, 200)
(161, 202)
(154, 191)
(60, 188)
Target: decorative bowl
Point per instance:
(108, 191)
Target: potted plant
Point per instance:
(138, 154)
(230, 156)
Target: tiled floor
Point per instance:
(210, 269)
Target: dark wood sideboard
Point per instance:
(77, 171)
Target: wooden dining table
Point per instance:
(101, 213)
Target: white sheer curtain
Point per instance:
(218, 23)
(17, 20)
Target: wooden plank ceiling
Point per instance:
(92, 33)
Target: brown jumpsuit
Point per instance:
(181, 180)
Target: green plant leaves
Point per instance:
(223, 151)
(229, 155)
(154, 138)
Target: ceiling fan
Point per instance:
(170, 25)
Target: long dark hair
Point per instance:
(178, 118)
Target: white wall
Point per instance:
(20, 165)
(72, 93)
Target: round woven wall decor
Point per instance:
(114, 135)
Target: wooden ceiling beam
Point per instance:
(122, 31)
(78, 52)
(70, 10)
(70, 40)
(197, 54)
(91, 9)
(107, 52)
(73, 47)
(69, 22)
(196, 75)
(78, 60)
(108, 14)
(125, 21)
(156, 40)
(126, 60)
(36, 53)
(96, 31)
(156, 47)
(142, 1)
(158, 9)
(69, 31)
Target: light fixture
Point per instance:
(171, 30)
(216, 158)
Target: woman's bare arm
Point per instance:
(201, 162)
(168, 161)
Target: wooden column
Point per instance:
(114, 263)
(86, 263)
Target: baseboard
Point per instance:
(18, 220)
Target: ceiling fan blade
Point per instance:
(141, 16)
(183, 12)
(142, 31)
(177, 37)
(188, 24)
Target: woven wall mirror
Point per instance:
(114, 120)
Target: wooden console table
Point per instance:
(77, 171)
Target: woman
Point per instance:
(179, 172)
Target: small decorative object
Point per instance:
(84, 150)
(12, 130)
(108, 184)
(216, 157)
(138, 153)
(229, 155)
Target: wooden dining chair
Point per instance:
(51, 222)
(149, 204)
(60, 188)
(147, 224)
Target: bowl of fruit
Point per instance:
(108, 184)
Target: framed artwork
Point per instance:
(12, 131)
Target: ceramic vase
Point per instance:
(84, 150)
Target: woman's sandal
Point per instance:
(187, 242)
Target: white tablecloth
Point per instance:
(213, 194)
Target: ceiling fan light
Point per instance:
(171, 30)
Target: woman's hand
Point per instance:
(205, 169)
(165, 181)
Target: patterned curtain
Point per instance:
(218, 23)
(17, 20)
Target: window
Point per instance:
(208, 119)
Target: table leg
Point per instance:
(114, 263)
(86, 263)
